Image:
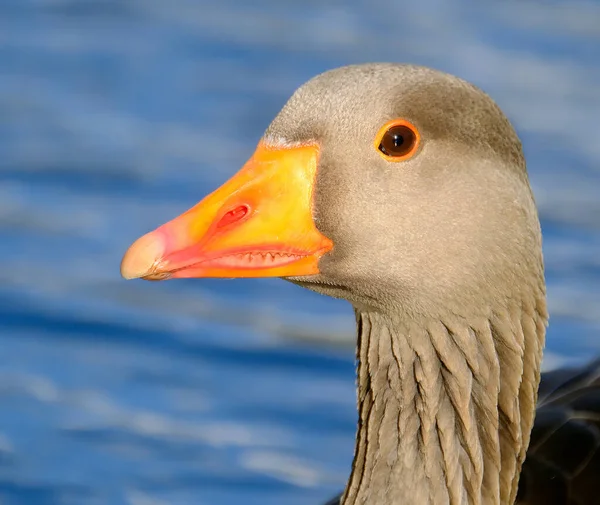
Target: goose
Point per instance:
(404, 190)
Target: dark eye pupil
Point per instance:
(398, 141)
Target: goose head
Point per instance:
(392, 186)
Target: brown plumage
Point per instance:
(440, 253)
(441, 257)
(447, 382)
(562, 466)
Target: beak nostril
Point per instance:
(233, 216)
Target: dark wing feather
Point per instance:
(563, 460)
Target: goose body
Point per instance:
(404, 190)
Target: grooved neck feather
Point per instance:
(445, 405)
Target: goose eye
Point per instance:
(397, 140)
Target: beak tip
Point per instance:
(141, 256)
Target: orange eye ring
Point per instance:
(397, 140)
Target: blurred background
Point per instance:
(117, 115)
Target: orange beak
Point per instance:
(258, 224)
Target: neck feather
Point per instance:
(446, 406)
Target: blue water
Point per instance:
(116, 115)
